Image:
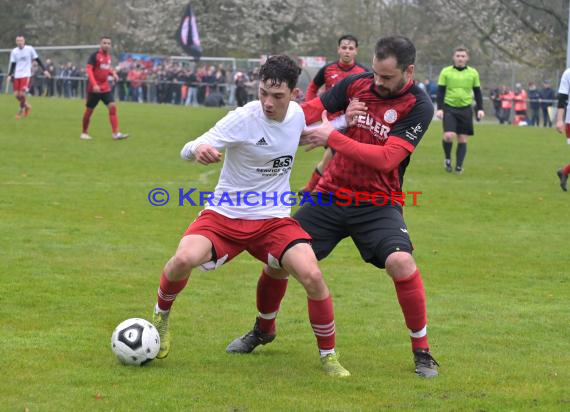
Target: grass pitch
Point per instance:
(81, 249)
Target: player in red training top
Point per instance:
(371, 159)
(21, 71)
(98, 70)
(328, 76)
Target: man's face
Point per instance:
(105, 45)
(388, 77)
(460, 58)
(275, 99)
(20, 42)
(347, 51)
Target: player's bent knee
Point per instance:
(400, 265)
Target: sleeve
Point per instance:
(229, 130)
(319, 79)
(91, 63)
(442, 81)
(476, 79)
(382, 158)
(312, 90)
(413, 127)
(440, 96)
(336, 99)
(339, 123)
(562, 100)
(12, 57)
(34, 53)
(564, 87)
(12, 69)
(479, 98)
(41, 64)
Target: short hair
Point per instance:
(399, 47)
(20, 35)
(348, 37)
(104, 37)
(461, 48)
(278, 69)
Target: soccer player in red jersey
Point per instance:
(371, 158)
(328, 76)
(260, 141)
(98, 88)
(21, 71)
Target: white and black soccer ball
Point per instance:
(135, 341)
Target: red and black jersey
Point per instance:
(330, 75)
(98, 70)
(391, 129)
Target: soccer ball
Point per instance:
(135, 341)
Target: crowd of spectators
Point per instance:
(166, 82)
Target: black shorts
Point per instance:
(377, 231)
(93, 99)
(458, 120)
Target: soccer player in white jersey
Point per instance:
(260, 140)
(563, 125)
(21, 71)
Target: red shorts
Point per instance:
(568, 130)
(266, 239)
(21, 84)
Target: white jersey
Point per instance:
(564, 88)
(259, 155)
(23, 58)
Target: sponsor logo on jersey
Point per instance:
(412, 132)
(390, 116)
(378, 129)
(282, 161)
(262, 142)
(334, 76)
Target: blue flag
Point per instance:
(187, 34)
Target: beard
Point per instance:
(386, 92)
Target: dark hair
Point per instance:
(278, 69)
(461, 48)
(104, 37)
(399, 47)
(348, 37)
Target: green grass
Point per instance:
(81, 249)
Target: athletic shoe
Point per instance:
(252, 339)
(458, 170)
(160, 321)
(332, 366)
(120, 136)
(426, 365)
(447, 165)
(85, 136)
(563, 180)
(27, 110)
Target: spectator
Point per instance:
(192, 92)
(241, 93)
(506, 97)
(534, 103)
(547, 97)
(495, 97)
(520, 98)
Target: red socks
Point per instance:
(270, 293)
(86, 118)
(113, 119)
(321, 315)
(412, 298)
(168, 290)
(315, 177)
(566, 170)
